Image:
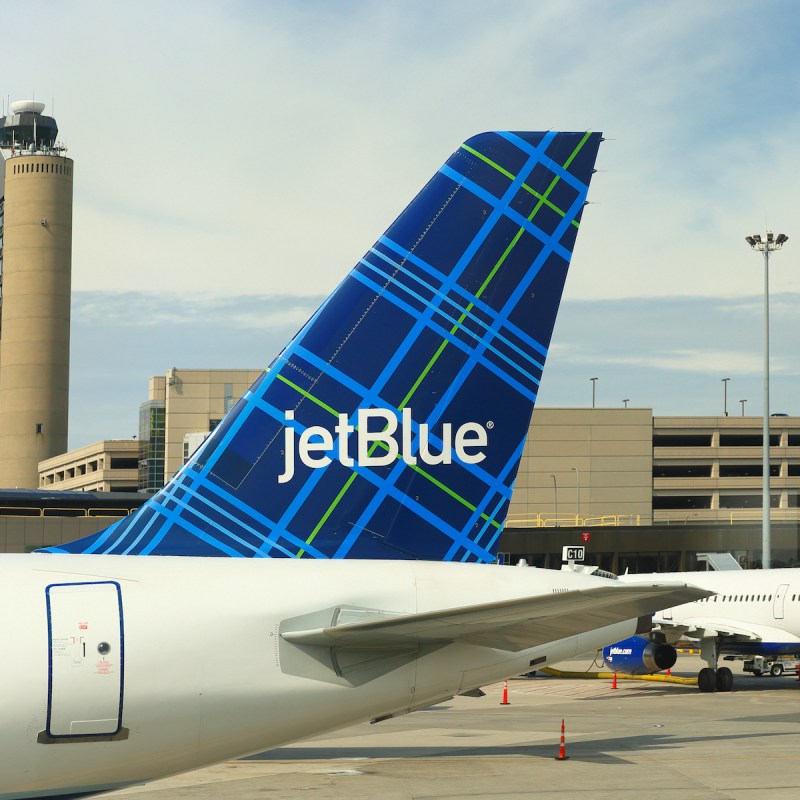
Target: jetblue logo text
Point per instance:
(375, 444)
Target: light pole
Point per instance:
(767, 245)
(743, 402)
(577, 495)
(555, 497)
(594, 385)
(725, 395)
(626, 401)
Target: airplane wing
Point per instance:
(702, 627)
(510, 625)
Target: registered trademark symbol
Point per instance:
(490, 424)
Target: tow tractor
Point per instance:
(764, 665)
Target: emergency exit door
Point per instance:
(86, 659)
(780, 596)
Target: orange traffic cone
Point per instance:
(562, 753)
(505, 694)
(614, 684)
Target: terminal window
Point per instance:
(665, 502)
(681, 440)
(747, 440)
(746, 501)
(747, 470)
(682, 471)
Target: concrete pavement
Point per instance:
(640, 740)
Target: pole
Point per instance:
(766, 544)
(555, 497)
(577, 495)
(766, 245)
(725, 396)
(594, 384)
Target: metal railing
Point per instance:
(54, 511)
(571, 521)
(777, 514)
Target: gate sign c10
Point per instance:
(573, 553)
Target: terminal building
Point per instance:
(651, 492)
(182, 408)
(108, 466)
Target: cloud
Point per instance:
(121, 339)
(705, 361)
(144, 310)
(262, 147)
(234, 159)
(668, 354)
(671, 353)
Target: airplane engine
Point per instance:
(639, 656)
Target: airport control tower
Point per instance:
(35, 284)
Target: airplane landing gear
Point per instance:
(724, 680)
(711, 679)
(707, 680)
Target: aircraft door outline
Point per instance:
(780, 596)
(86, 661)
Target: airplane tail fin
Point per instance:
(392, 425)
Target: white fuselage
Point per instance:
(761, 602)
(123, 669)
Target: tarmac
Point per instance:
(640, 740)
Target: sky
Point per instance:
(233, 160)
